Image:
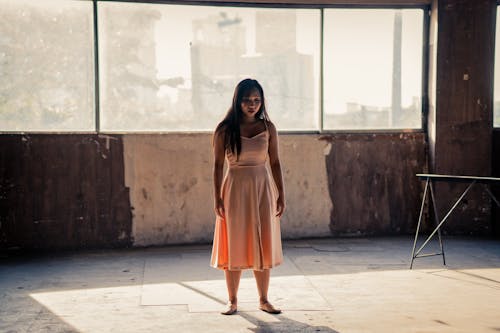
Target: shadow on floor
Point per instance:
(100, 279)
(283, 325)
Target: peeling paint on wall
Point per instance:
(372, 182)
(365, 184)
(464, 109)
(496, 189)
(306, 186)
(62, 192)
(170, 178)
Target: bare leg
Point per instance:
(262, 278)
(232, 283)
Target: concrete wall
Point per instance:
(63, 191)
(496, 190)
(372, 182)
(335, 185)
(80, 191)
(462, 123)
(170, 180)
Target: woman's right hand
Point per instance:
(219, 207)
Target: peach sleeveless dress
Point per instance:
(249, 236)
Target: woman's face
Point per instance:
(251, 103)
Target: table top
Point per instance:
(457, 178)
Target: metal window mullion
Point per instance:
(495, 46)
(96, 69)
(321, 70)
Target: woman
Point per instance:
(248, 204)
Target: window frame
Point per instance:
(496, 49)
(424, 5)
(95, 109)
(425, 71)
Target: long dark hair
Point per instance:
(231, 122)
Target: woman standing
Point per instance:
(248, 203)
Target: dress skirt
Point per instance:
(249, 235)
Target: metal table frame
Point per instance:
(429, 180)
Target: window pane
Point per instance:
(372, 68)
(496, 96)
(174, 67)
(46, 65)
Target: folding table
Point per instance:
(430, 179)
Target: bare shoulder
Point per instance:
(219, 131)
(218, 136)
(272, 128)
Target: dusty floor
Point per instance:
(325, 285)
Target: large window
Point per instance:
(172, 67)
(46, 66)
(372, 68)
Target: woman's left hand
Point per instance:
(280, 206)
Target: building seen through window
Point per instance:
(165, 67)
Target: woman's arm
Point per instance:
(219, 152)
(275, 164)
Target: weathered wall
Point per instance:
(63, 191)
(335, 185)
(464, 108)
(496, 189)
(305, 174)
(81, 191)
(169, 177)
(170, 180)
(372, 182)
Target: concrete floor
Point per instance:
(325, 285)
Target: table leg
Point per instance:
(418, 224)
(447, 215)
(492, 196)
(436, 219)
